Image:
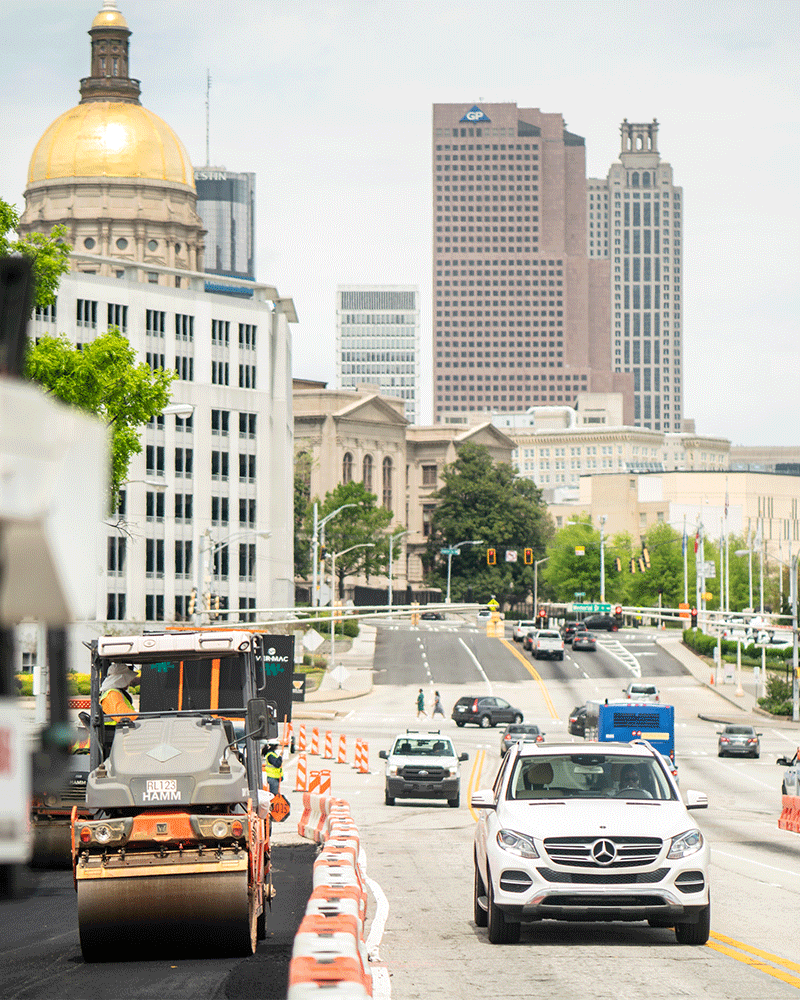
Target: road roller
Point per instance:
(174, 858)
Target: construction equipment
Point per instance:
(51, 810)
(176, 856)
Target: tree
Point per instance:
(103, 378)
(48, 254)
(568, 572)
(366, 522)
(481, 500)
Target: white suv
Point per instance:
(591, 833)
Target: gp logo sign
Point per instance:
(475, 115)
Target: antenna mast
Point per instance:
(208, 101)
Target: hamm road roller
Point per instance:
(175, 857)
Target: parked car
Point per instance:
(736, 740)
(432, 616)
(521, 629)
(790, 784)
(584, 640)
(547, 644)
(577, 721)
(423, 766)
(593, 854)
(517, 731)
(484, 712)
(595, 623)
(483, 615)
(570, 629)
(641, 692)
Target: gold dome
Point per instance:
(109, 17)
(110, 139)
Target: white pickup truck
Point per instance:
(547, 645)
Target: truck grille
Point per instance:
(419, 772)
(577, 852)
(604, 878)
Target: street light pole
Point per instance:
(319, 526)
(392, 540)
(478, 541)
(603, 519)
(362, 545)
(204, 556)
(536, 583)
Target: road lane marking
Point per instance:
(537, 677)
(725, 946)
(477, 664)
(474, 779)
(615, 648)
(760, 864)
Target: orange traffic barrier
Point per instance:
(325, 782)
(287, 734)
(325, 973)
(790, 814)
(314, 742)
(301, 782)
(342, 754)
(313, 782)
(301, 737)
(328, 755)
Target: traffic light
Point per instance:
(642, 566)
(694, 617)
(646, 556)
(618, 564)
(528, 555)
(192, 599)
(321, 552)
(633, 565)
(491, 557)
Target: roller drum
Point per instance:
(148, 916)
(52, 846)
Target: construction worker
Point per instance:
(273, 765)
(114, 697)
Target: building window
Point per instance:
(154, 506)
(219, 510)
(367, 472)
(154, 557)
(387, 483)
(247, 336)
(115, 608)
(220, 420)
(220, 332)
(184, 328)
(118, 316)
(183, 558)
(183, 506)
(247, 468)
(220, 373)
(429, 475)
(184, 460)
(427, 518)
(247, 512)
(154, 460)
(247, 561)
(347, 468)
(185, 368)
(246, 603)
(116, 556)
(86, 314)
(219, 464)
(247, 425)
(154, 607)
(222, 562)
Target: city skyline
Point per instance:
(328, 149)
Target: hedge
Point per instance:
(706, 644)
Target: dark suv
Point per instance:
(608, 622)
(570, 629)
(484, 712)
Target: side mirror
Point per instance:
(258, 719)
(383, 754)
(463, 756)
(784, 761)
(86, 720)
(483, 799)
(696, 800)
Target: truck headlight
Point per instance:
(392, 770)
(517, 843)
(685, 844)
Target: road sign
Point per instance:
(448, 552)
(279, 808)
(511, 555)
(493, 604)
(709, 569)
(580, 550)
(591, 608)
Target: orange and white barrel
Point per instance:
(342, 755)
(301, 782)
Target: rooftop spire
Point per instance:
(109, 80)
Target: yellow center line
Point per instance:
(754, 962)
(474, 779)
(536, 676)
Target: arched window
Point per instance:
(387, 483)
(347, 468)
(635, 179)
(646, 178)
(367, 470)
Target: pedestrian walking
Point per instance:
(421, 713)
(437, 706)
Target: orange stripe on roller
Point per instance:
(214, 703)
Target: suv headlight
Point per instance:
(517, 843)
(686, 844)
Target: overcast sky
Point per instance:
(329, 104)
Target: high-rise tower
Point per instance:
(521, 314)
(635, 221)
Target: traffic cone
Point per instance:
(342, 755)
(301, 782)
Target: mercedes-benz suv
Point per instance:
(596, 833)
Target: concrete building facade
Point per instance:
(521, 313)
(634, 220)
(377, 341)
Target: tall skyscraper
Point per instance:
(635, 220)
(521, 313)
(377, 341)
(226, 204)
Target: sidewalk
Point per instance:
(743, 708)
(351, 678)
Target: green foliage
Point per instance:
(705, 645)
(24, 685)
(48, 254)
(104, 379)
(358, 525)
(486, 501)
(566, 573)
(302, 496)
(79, 684)
(779, 696)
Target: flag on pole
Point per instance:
(696, 540)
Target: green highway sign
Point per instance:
(593, 608)
(448, 552)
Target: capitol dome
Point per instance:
(115, 174)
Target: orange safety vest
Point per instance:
(116, 702)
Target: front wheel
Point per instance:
(501, 931)
(456, 802)
(517, 717)
(485, 722)
(479, 914)
(459, 724)
(695, 933)
(388, 799)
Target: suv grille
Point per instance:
(414, 772)
(690, 882)
(515, 881)
(576, 852)
(605, 878)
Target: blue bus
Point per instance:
(626, 721)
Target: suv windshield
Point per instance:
(429, 747)
(592, 776)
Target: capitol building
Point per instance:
(205, 519)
